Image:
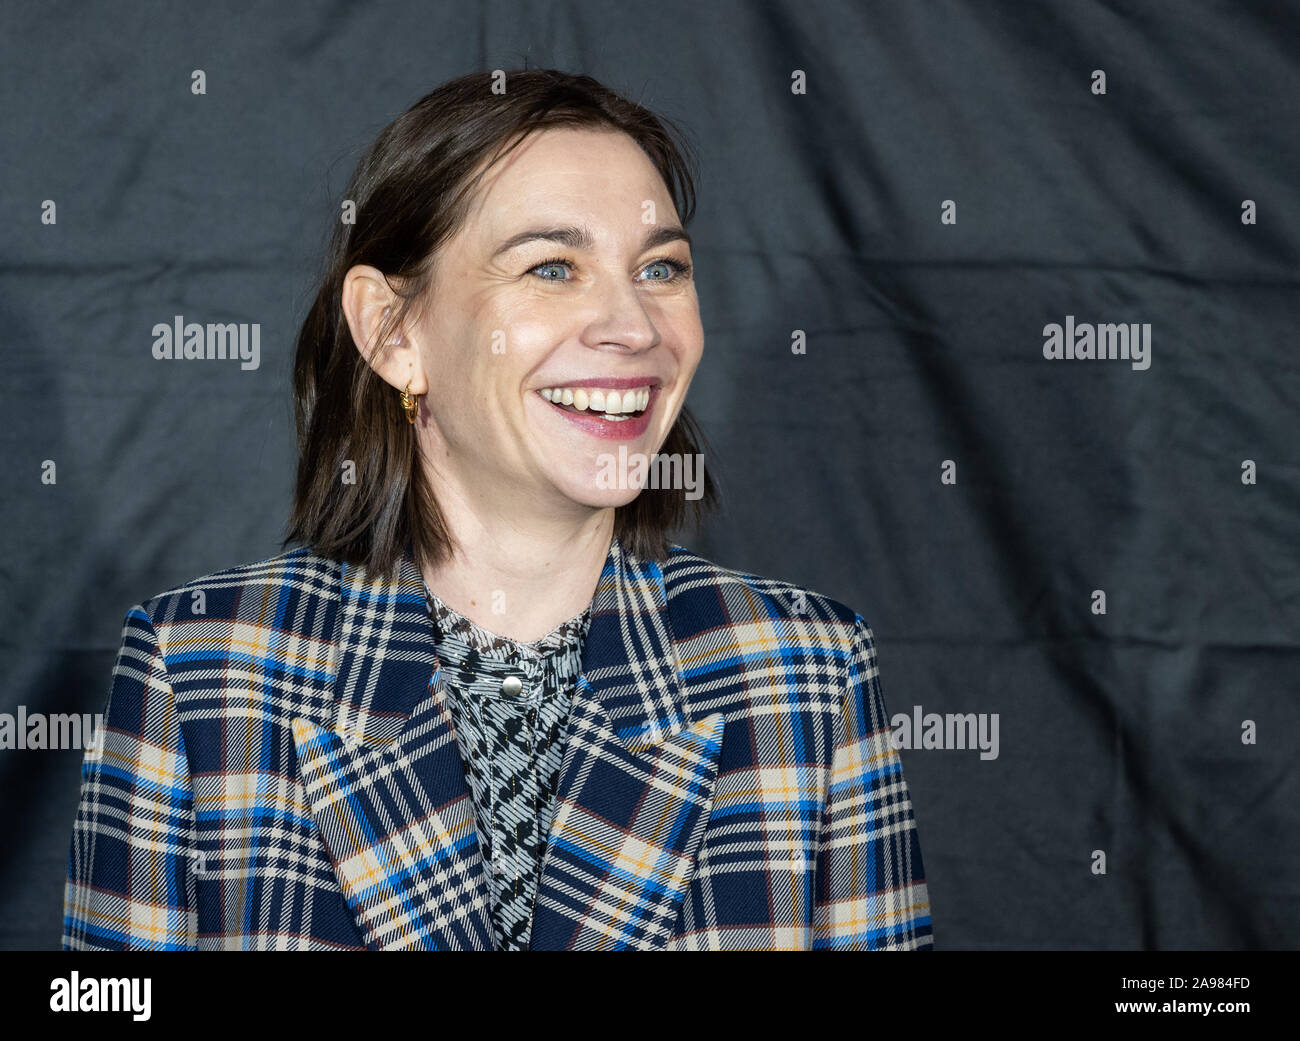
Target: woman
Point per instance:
(485, 705)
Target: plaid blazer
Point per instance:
(278, 769)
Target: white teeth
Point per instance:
(613, 404)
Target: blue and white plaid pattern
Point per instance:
(280, 771)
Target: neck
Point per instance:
(520, 579)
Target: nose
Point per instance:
(620, 320)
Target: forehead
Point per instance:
(601, 178)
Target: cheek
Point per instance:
(464, 388)
(690, 342)
(689, 363)
(459, 405)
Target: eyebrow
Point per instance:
(580, 238)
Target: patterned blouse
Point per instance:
(509, 704)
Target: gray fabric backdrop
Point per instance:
(1161, 733)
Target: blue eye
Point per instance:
(557, 262)
(679, 271)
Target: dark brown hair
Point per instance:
(411, 192)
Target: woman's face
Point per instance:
(569, 285)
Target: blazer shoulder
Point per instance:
(235, 591)
(741, 597)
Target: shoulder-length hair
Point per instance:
(411, 192)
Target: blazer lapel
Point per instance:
(387, 788)
(386, 784)
(637, 780)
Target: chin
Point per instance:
(586, 487)
(602, 498)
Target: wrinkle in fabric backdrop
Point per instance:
(820, 212)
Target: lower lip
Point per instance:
(623, 430)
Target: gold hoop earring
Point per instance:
(411, 404)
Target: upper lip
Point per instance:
(610, 382)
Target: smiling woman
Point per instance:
(496, 318)
(486, 703)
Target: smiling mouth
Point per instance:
(614, 406)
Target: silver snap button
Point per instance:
(512, 685)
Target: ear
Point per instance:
(367, 302)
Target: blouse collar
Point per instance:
(459, 638)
